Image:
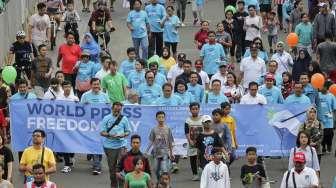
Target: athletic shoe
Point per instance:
(96, 172)
(195, 178)
(182, 24)
(174, 168)
(195, 21)
(59, 29)
(66, 169)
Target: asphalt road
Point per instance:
(81, 176)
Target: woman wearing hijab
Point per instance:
(89, 44)
(301, 64)
(314, 128)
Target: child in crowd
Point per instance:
(71, 17)
(164, 181)
(230, 122)
(161, 139)
(252, 174)
(271, 27)
(223, 38)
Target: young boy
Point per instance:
(252, 173)
(215, 173)
(164, 181)
(192, 128)
(161, 138)
(328, 106)
(207, 141)
(230, 122)
(71, 17)
(221, 129)
(128, 65)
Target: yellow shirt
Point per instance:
(32, 156)
(168, 63)
(231, 123)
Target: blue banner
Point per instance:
(74, 127)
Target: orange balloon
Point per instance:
(317, 81)
(292, 39)
(332, 89)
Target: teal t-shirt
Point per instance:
(272, 95)
(305, 33)
(293, 99)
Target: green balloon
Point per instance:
(154, 58)
(230, 7)
(9, 74)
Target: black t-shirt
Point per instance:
(22, 52)
(207, 142)
(239, 24)
(6, 156)
(246, 169)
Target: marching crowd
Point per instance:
(233, 67)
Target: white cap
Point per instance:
(206, 118)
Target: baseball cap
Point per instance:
(269, 76)
(322, 4)
(280, 43)
(181, 56)
(85, 53)
(206, 118)
(299, 157)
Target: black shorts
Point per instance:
(265, 8)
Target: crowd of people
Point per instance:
(233, 67)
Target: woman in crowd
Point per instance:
(167, 61)
(262, 53)
(231, 89)
(85, 71)
(313, 68)
(137, 178)
(201, 37)
(229, 24)
(314, 128)
(303, 144)
(93, 47)
(7, 159)
(181, 91)
(287, 84)
(301, 64)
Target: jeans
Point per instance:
(112, 156)
(96, 164)
(143, 43)
(181, 8)
(162, 165)
(155, 44)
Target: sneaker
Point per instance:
(66, 169)
(96, 172)
(174, 168)
(195, 21)
(59, 29)
(195, 178)
(182, 24)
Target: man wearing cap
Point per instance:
(176, 69)
(283, 58)
(220, 74)
(252, 67)
(324, 23)
(300, 175)
(272, 93)
(207, 141)
(114, 128)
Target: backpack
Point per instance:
(287, 177)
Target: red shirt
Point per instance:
(201, 37)
(70, 55)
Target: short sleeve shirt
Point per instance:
(114, 85)
(138, 20)
(70, 55)
(162, 138)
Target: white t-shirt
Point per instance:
(205, 78)
(253, 69)
(102, 73)
(174, 71)
(214, 175)
(283, 60)
(51, 94)
(219, 77)
(305, 179)
(258, 99)
(40, 25)
(71, 97)
(251, 32)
